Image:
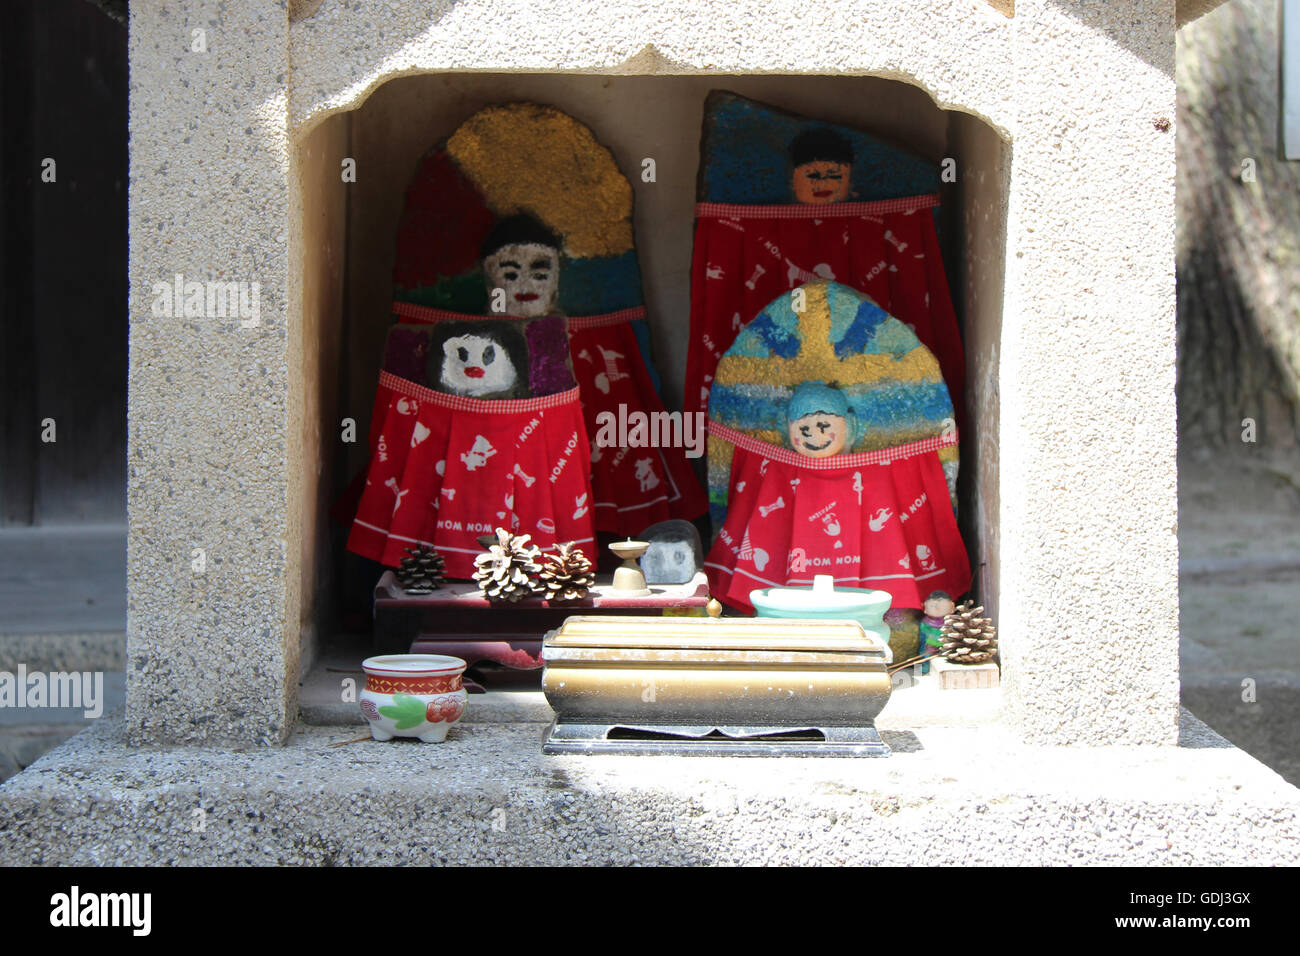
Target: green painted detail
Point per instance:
(405, 712)
(466, 293)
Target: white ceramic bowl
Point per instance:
(413, 695)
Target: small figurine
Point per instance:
(822, 162)
(521, 265)
(840, 471)
(937, 606)
(819, 421)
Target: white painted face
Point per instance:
(530, 276)
(475, 365)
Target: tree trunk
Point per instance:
(1238, 235)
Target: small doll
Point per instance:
(937, 606)
(822, 162)
(819, 421)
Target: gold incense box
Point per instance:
(745, 686)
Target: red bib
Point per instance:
(746, 256)
(632, 488)
(879, 520)
(445, 470)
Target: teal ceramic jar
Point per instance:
(824, 600)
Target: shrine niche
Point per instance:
(380, 84)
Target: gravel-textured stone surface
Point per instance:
(28, 732)
(97, 651)
(947, 796)
(215, 402)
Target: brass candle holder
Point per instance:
(629, 581)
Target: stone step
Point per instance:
(947, 795)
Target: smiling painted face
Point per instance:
(821, 165)
(819, 435)
(529, 275)
(822, 181)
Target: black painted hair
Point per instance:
(821, 144)
(518, 230)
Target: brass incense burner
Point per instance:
(745, 686)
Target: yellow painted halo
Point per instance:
(525, 157)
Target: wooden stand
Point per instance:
(965, 676)
(502, 643)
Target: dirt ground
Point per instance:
(1239, 536)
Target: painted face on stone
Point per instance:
(474, 365)
(669, 562)
(529, 274)
(819, 435)
(822, 181)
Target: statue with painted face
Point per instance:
(521, 258)
(819, 421)
(822, 167)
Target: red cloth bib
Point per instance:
(633, 488)
(445, 470)
(879, 520)
(746, 256)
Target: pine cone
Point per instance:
(968, 637)
(508, 571)
(422, 571)
(567, 575)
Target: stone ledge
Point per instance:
(948, 796)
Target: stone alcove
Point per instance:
(349, 230)
(1064, 280)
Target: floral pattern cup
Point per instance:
(413, 695)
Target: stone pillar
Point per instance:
(1089, 515)
(213, 567)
